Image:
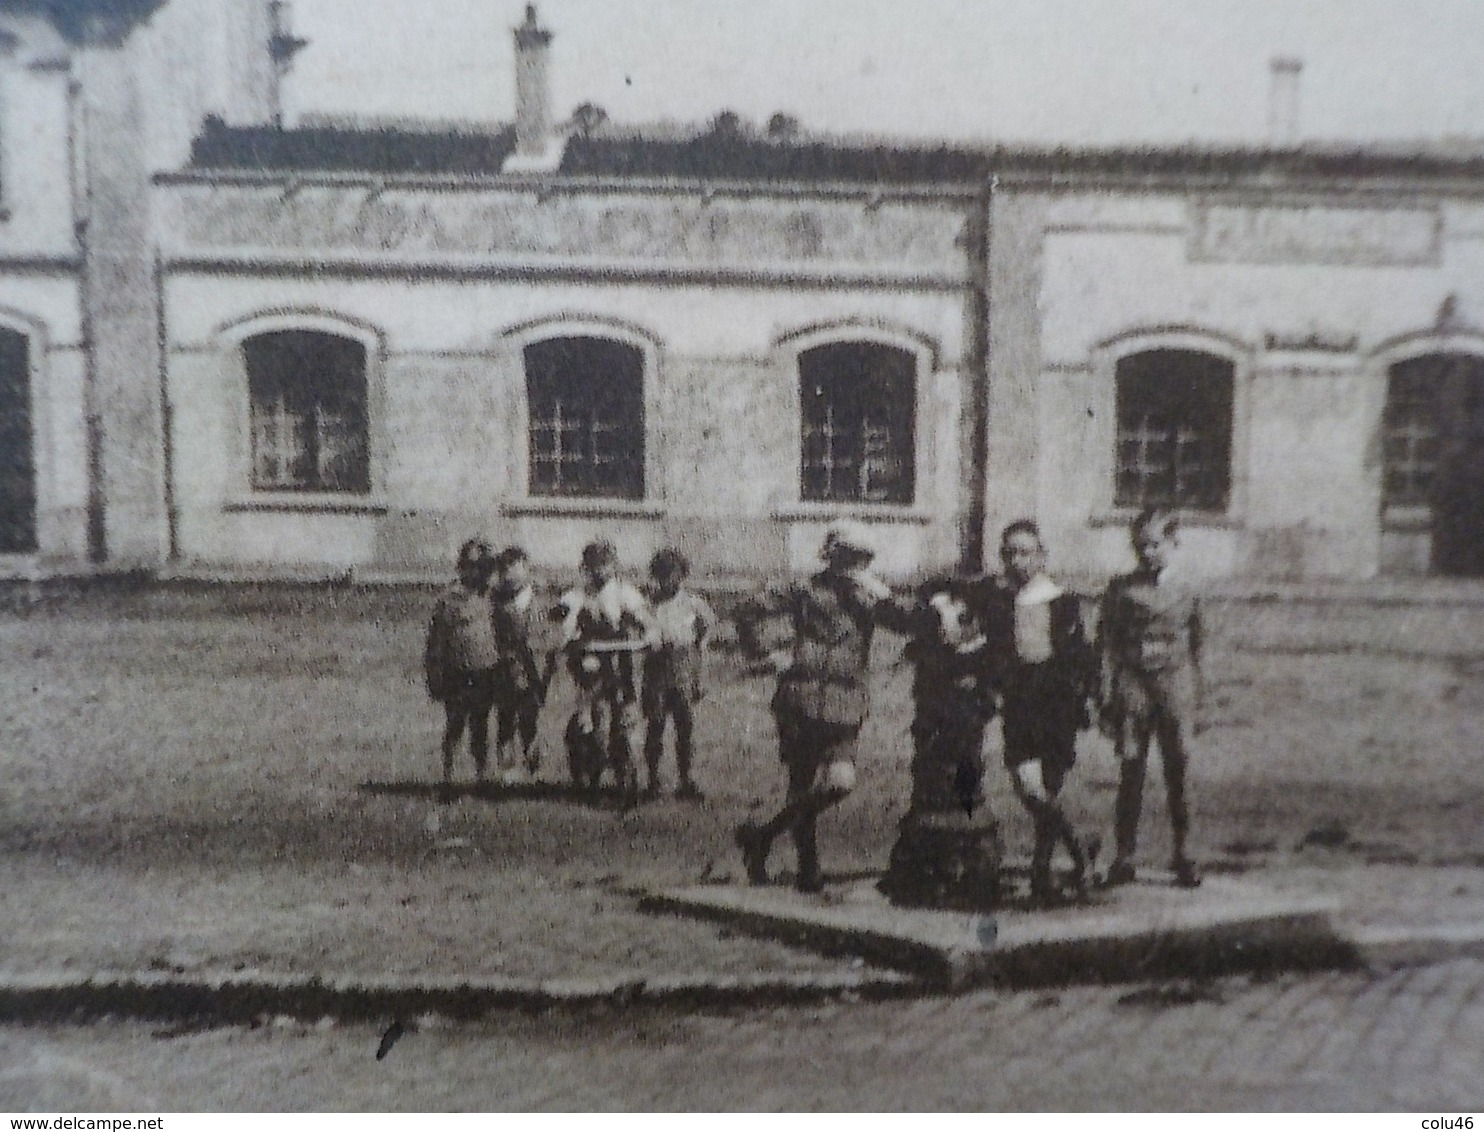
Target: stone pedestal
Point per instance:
(947, 859)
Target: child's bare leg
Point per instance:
(479, 741)
(684, 750)
(505, 732)
(527, 718)
(654, 746)
(1036, 788)
(1133, 759)
(453, 731)
(806, 842)
(586, 710)
(816, 781)
(622, 725)
(1174, 737)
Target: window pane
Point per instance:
(586, 410)
(859, 404)
(308, 402)
(1173, 447)
(341, 452)
(1410, 432)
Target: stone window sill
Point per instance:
(573, 507)
(308, 502)
(1199, 520)
(1407, 520)
(863, 512)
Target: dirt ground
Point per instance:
(241, 778)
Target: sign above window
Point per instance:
(1316, 233)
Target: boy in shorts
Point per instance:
(605, 621)
(1151, 687)
(460, 657)
(527, 660)
(1044, 673)
(823, 691)
(672, 669)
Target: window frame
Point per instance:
(1396, 516)
(789, 350)
(243, 492)
(522, 500)
(1105, 362)
(625, 481)
(904, 409)
(44, 413)
(1202, 416)
(277, 418)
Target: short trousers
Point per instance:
(471, 692)
(809, 747)
(1144, 698)
(1041, 716)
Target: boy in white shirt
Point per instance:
(1045, 676)
(672, 669)
(605, 621)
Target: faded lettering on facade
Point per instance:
(1316, 233)
(362, 220)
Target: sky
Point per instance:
(1041, 71)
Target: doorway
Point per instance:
(17, 449)
(1458, 497)
(1435, 454)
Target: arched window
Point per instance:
(308, 402)
(1429, 400)
(1174, 430)
(17, 457)
(858, 403)
(1432, 445)
(585, 400)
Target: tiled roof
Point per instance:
(341, 149)
(741, 156)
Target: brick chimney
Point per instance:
(532, 100)
(1283, 100)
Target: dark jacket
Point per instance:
(952, 665)
(527, 636)
(1057, 688)
(833, 624)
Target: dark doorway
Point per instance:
(1458, 499)
(17, 452)
(1434, 454)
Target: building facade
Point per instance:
(230, 346)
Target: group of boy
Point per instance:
(1014, 644)
(493, 648)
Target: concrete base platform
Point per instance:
(1146, 930)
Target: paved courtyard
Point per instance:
(1406, 1040)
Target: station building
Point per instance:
(231, 346)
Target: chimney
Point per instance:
(283, 45)
(1283, 100)
(532, 113)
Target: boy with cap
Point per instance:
(823, 695)
(672, 669)
(1151, 652)
(460, 657)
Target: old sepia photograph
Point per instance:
(698, 556)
